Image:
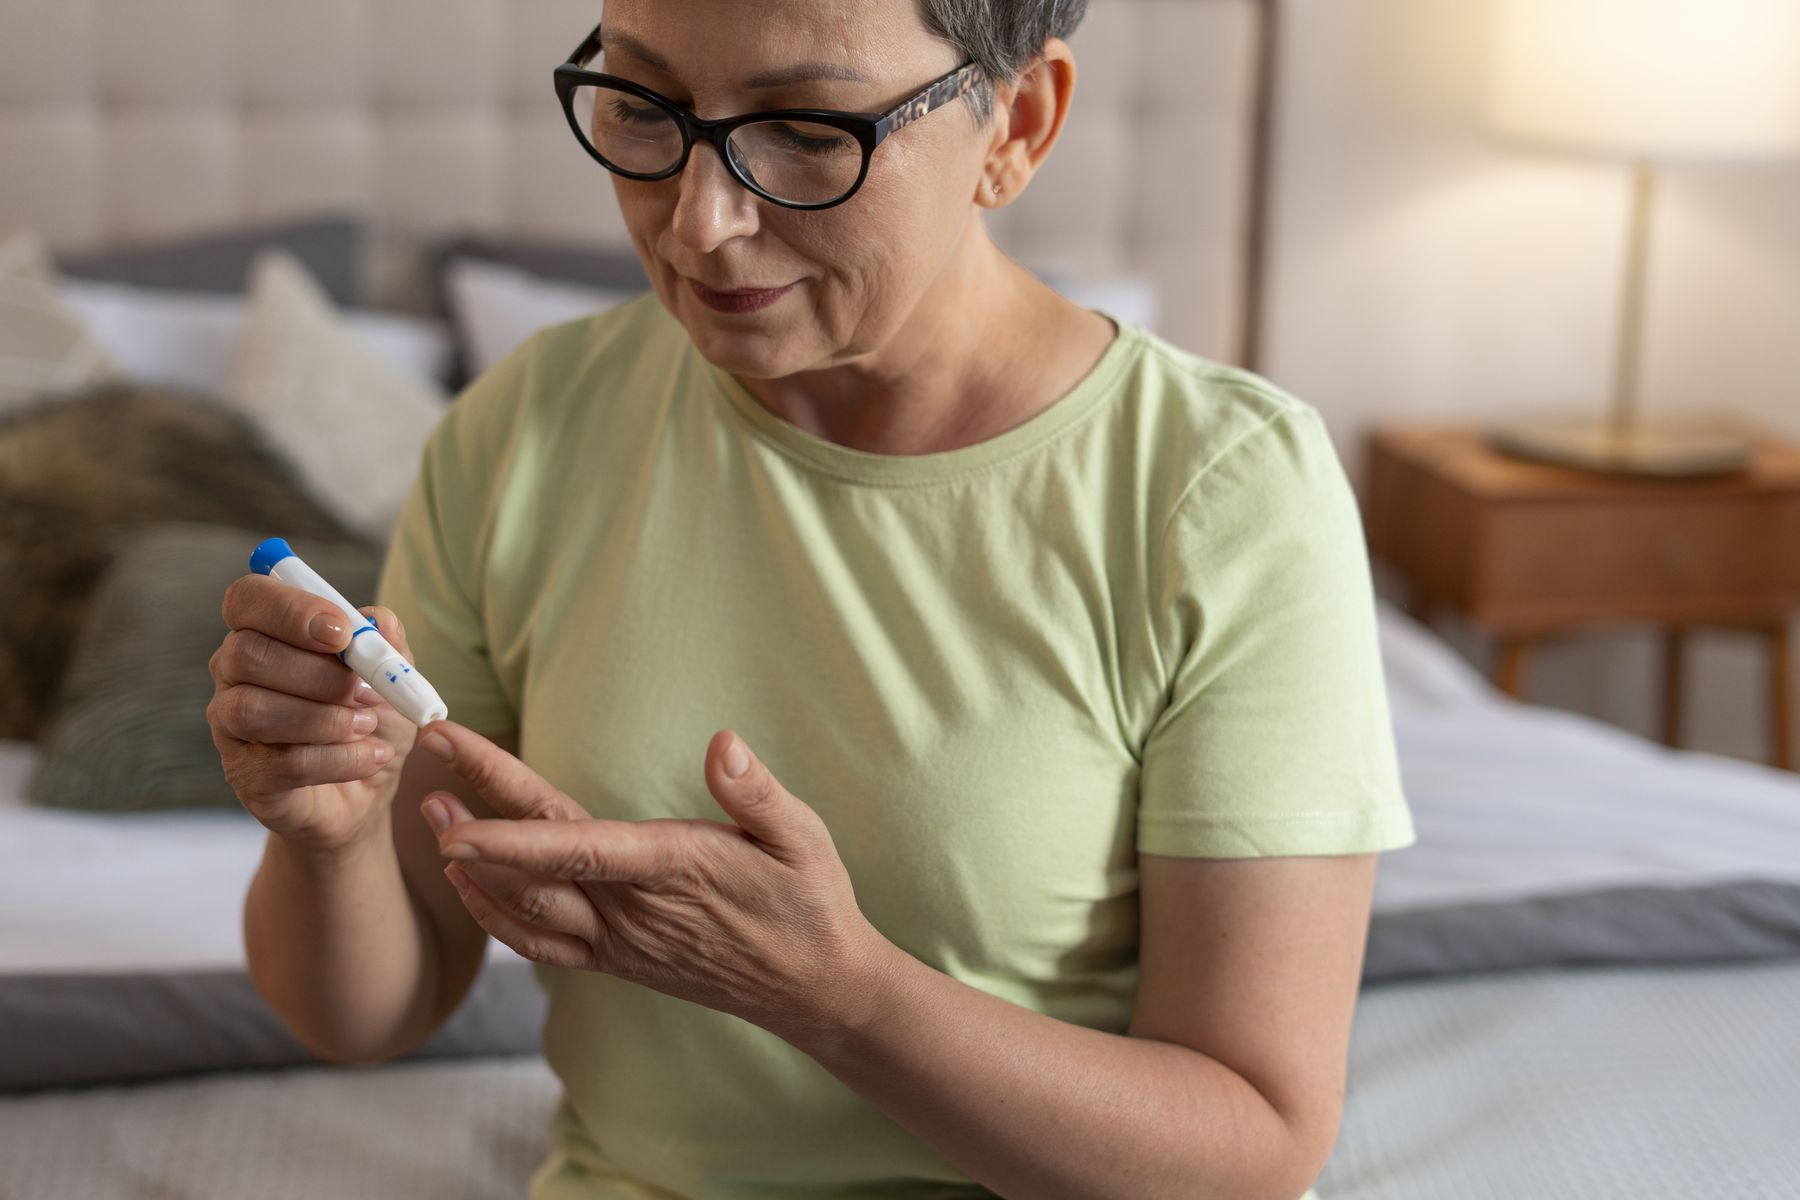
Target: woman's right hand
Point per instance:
(285, 717)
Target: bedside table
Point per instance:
(1526, 550)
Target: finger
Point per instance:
(454, 806)
(286, 613)
(508, 785)
(250, 656)
(538, 901)
(257, 714)
(610, 851)
(534, 899)
(262, 768)
(528, 941)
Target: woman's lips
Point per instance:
(738, 302)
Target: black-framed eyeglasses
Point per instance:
(796, 157)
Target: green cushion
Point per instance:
(129, 728)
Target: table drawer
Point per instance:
(1636, 559)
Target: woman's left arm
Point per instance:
(1229, 1081)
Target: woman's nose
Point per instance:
(711, 205)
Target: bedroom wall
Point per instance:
(1417, 270)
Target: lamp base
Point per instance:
(1634, 452)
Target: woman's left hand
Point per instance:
(755, 918)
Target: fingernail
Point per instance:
(437, 743)
(457, 879)
(366, 695)
(362, 722)
(383, 752)
(436, 815)
(460, 850)
(325, 629)
(737, 759)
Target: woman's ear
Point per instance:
(1028, 118)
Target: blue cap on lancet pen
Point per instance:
(369, 654)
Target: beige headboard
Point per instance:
(131, 119)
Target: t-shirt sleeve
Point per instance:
(1276, 738)
(432, 575)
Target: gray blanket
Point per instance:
(1742, 920)
(69, 1030)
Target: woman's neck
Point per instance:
(947, 380)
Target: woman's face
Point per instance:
(860, 268)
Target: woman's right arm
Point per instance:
(352, 933)
(365, 950)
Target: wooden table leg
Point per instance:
(1781, 714)
(1422, 604)
(1509, 667)
(1673, 641)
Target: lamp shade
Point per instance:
(1657, 79)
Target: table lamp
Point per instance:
(1643, 81)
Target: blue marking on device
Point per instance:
(371, 627)
(269, 552)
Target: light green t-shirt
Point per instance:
(1142, 619)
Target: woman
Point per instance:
(1054, 638)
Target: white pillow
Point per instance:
(351, 424)
(1130, 298)
(497, 306)
(420, 346)
(44, 347)
(180, 339)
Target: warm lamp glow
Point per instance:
(1658, 79)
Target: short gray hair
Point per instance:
(1004, 36)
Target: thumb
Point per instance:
(755, 800)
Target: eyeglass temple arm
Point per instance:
(589, 47)
(960, 82)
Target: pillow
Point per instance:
(327, 244)
(167, 339)
(1130, 298)
(606, 268)
(352, 425)
(495, 307)
(44, 348)
(130, 730)
(75, 471)
(419, 346)
(161, 337)
(611, 269)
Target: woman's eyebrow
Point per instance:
(803, 73)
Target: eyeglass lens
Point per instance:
(802, 162)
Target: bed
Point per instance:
(1584, 978)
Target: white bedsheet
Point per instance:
(123, 891)
(1510, 800)
(1513, 800)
